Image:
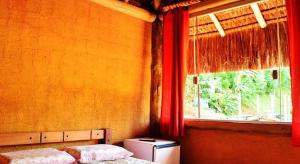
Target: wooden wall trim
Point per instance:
(28, 138)
(52, 137)
(107, 136)
(283, 129)
(128, 9)
(97, 134)
(19, 138)
(77, 135)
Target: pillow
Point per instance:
(37, 156)
(99, 152)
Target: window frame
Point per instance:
(255, 127)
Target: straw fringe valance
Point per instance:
(236, 20)
(180, 4)
(250, 49)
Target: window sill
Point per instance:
(270, 128)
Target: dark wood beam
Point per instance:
(126, 8)
(156, 4)
(156, 78)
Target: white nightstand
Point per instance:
(161, 151)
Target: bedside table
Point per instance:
(156, 150)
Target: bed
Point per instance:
(129, 160)
(62, 156)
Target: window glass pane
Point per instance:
(262, 95)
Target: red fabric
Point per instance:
(293, 12)
(175, 47)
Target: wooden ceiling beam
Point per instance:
(217, 24)
(215, 6)
(259, 17)
(128, 9)
(156, 4)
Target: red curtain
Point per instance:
(175, 47)
(293, 12)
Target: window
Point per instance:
(244, 73)
(262, 95)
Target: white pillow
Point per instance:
(99, 152)
(37, 156)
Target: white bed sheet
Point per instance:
(129, 160)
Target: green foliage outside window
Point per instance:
(221, 91)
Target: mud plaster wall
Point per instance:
(73, 65)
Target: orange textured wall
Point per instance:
(73, 65)
(206, 143)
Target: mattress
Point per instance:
(128, 160)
